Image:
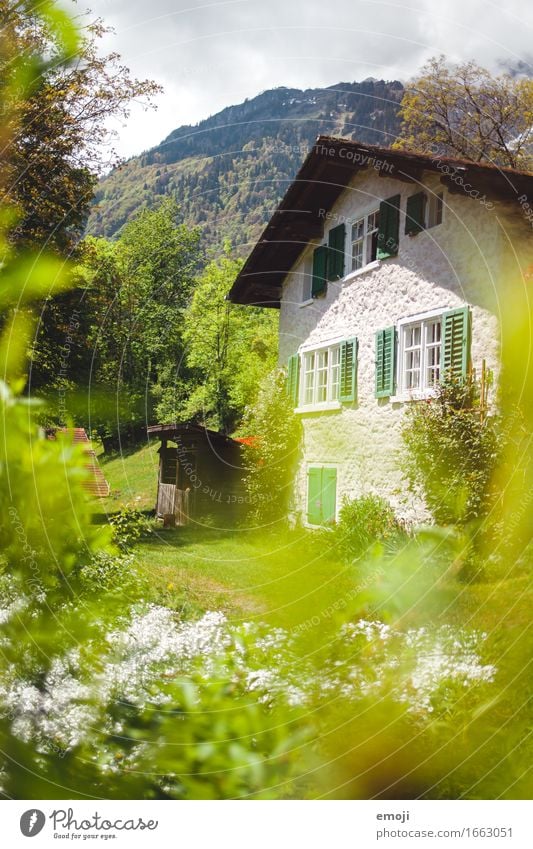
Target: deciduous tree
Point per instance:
(229, 348)
(464, 111)
(63, 138)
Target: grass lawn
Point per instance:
(281, 578)
(289, 579)
(132, 477)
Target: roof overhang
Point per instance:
(188, 430)
(327, 170)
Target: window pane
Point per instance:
(432, 353)
(334, 373)
(321, 394)
(358, 230)
(322, 376)
(413, 379)
(412, 356)
(373, 246)
(373, 221)
(309, 378)
(357, 255)
(413, 336)
(413, 359)
(433, 332)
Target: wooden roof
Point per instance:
(326, 171)
(188, 430)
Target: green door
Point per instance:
(321, 495)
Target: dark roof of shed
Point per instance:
(326, 171)
(178, 429)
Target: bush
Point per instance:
(108, 572)
(452, 453)
(362, 522)
(271, 459)
(128, 527)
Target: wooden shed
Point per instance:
(200, 475)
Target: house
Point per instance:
(389, 269)
(200, 475)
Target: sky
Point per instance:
(208, 55)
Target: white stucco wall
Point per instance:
(457, 263)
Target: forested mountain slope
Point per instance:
(229, 171)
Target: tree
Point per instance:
(62, 125)
(112, 347)
(229, 349)
(466, 112)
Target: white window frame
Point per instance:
(365, 239)
(333, 349)
(424, 390)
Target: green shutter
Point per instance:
(385, 362)
(321, 495)
(320, 264)
(389, 227)
(336, 241)
(348, 376)
(456, 335)
(329, 495)
(415, 218)
(293, 375)
(314, 496)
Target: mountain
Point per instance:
(229, 171)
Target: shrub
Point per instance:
(108, 572)
(272, 457)
(362, 522)
(128, 527)
(452, 453)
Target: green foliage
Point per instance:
(122, 328)
(129, 526)
(272, 456)
(465, 111)
(452, 453)
(214, 742)
(363, 522)
(216, 729)
(108, 572)
(63, 121)
(229, 350)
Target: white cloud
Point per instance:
(211, 55)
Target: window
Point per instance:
(423, 210)
(321, 376)
(435, 207)
(420, 354)
(365, 240)
(414, 356)
(321, 495)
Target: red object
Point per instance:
(250, 441)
